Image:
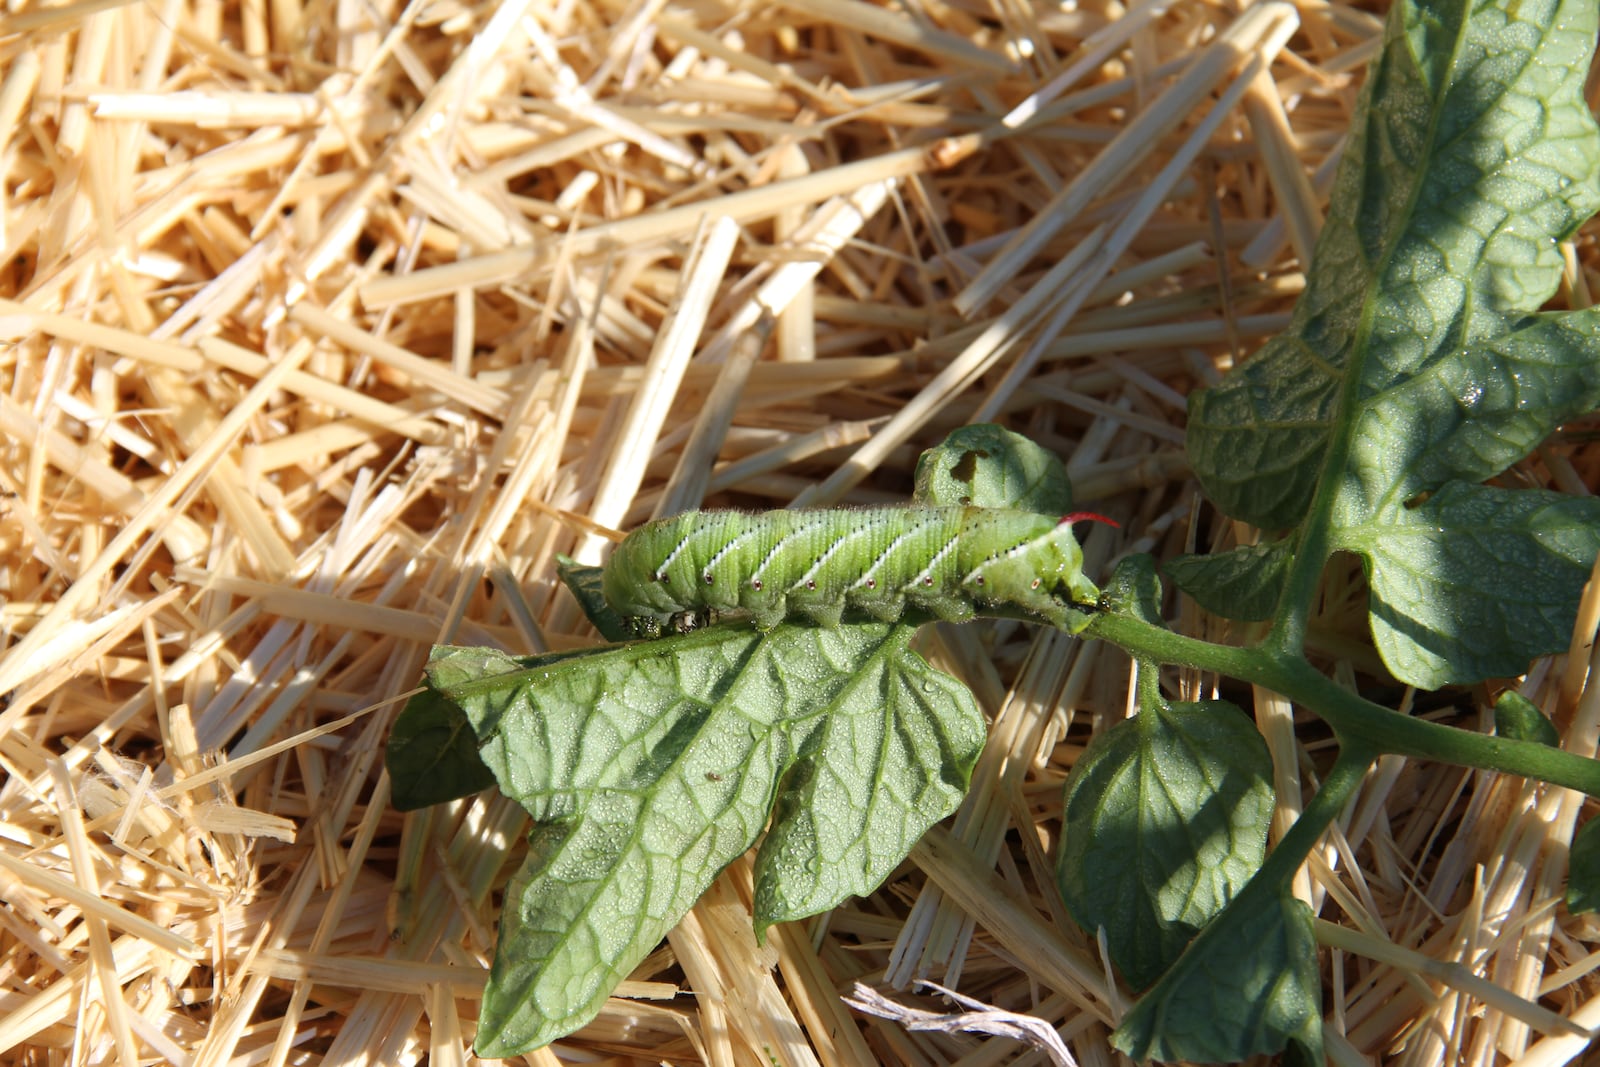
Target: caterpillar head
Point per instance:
(1042, 574)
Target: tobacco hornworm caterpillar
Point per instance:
(948, 561)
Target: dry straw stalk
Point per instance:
(315, 316)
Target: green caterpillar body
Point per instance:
(950, 562)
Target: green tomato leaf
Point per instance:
(988, 466)
(1473, 151)
(1244, 583)
(1247, 986)
(1134, 589)
(1516, 716)
(1471, 413)
(432, 755)
(649, 767)
(584, 584)
(891, 758)
(1476, 581)
(1583, 869)
(1417, 358)
(1166, 819)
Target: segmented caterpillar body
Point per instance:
(948, 561)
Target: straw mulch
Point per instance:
(325, 326)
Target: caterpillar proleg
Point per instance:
(951, 562)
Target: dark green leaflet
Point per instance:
(950, 562)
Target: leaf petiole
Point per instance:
(1360, 724)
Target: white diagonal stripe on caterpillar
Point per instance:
(808, 580)
(881, 560)
(924, 578)
(716, 557)
(782, 539)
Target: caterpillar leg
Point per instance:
(825, 613)
(767, 616)
(685, 622)
(645, 627)
(884, 610)
(943, 606)
(1069, 615)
